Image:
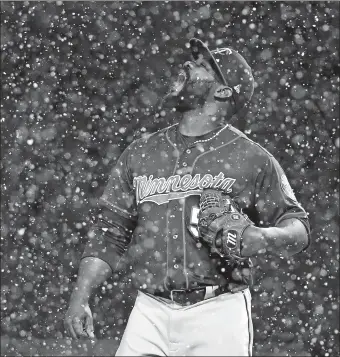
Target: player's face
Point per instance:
(192, 87)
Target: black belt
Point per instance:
(195, 295)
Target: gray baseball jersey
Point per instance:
(150, 204)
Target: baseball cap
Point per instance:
(231, 68)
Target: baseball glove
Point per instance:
(221, 224)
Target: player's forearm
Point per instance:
(92, 273)
(288, 238)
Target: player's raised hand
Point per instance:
(79, 321)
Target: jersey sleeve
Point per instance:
(111, 232)
(118, 195)
(274, 198)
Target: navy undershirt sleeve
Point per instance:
(110, 236)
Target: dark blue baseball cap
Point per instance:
(231, 68)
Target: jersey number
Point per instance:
(193, 227)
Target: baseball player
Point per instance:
(188, 206)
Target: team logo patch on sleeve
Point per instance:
(286, 188)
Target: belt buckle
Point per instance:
(210, 291)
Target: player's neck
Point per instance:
(199, 121)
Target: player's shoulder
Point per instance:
(251, 147)
(150, 138)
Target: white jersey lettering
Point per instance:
(161, 190)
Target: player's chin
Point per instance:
(178, 85)
(177, 89)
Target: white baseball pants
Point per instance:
(219, 326)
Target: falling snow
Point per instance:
(80, 81)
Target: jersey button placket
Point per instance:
(176, 243)
(185, 162)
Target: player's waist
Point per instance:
(192, 296)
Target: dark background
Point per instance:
(80, 81)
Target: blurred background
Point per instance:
(80, 81)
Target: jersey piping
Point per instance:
(184, 246)
(208, 152)
(249, 326)
(123, 211)
(167, 227)
(167, 136)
